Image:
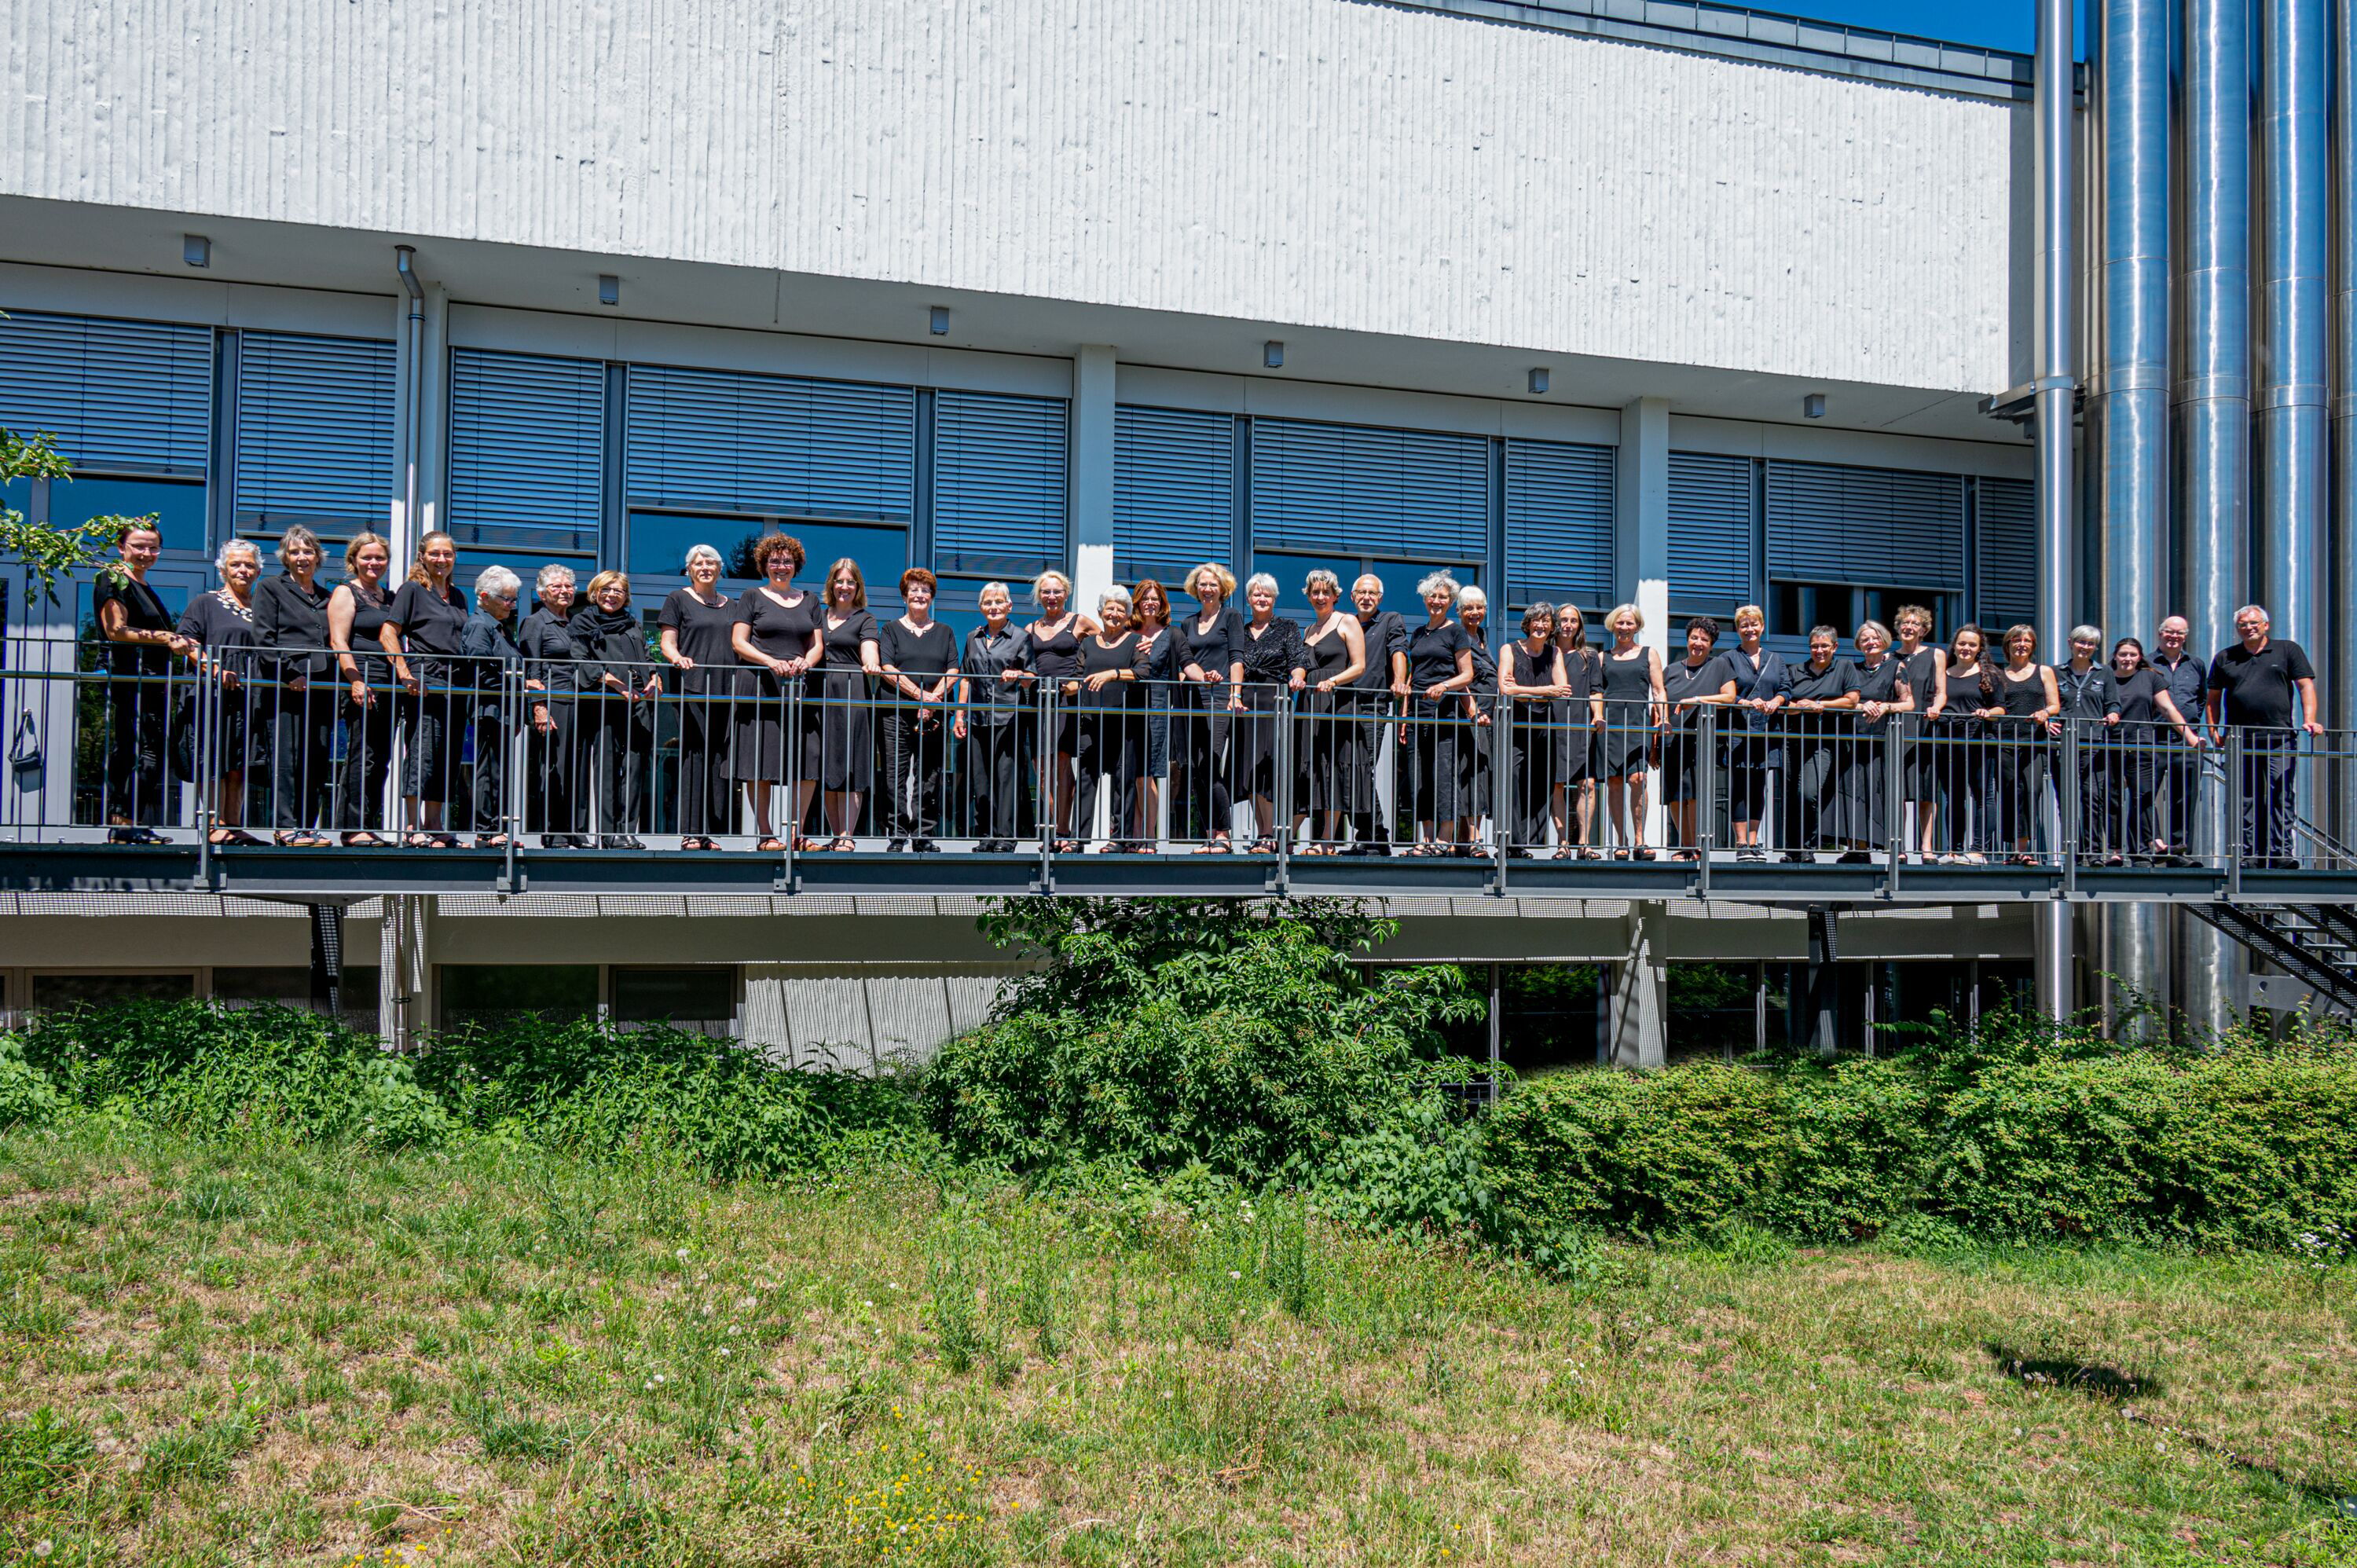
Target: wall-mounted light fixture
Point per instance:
(1538, 379)
(196, 250)
(1813, 405)
(940, 321)
(609, 289)
(1272, 354)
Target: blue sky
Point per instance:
(2000, 24)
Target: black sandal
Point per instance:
(363, 840)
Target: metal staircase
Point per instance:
(2315, 943)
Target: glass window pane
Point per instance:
(1291, 570)
(490, 990)
(180, 507)
(16, 496)
(98, 990)
(660, 543)
(525, 564)
(1400, 578)
(704, 994)
(882, 554)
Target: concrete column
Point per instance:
(1093, 406)
(434, 415)
(1641, 538)
(1641, 989)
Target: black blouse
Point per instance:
(551, 651)
(1805, 684)
(219, 625)
(1386, 635)
(927, 653)
(1432, 653)
(1273, 654)
(840, 651)
(287, 615)
(1216, 650)
(2139, 697)
(700, 628)
(987, 655)
(428, 622)
(2089, 695)
(141, 611)
(776, 630)
(1681, 681)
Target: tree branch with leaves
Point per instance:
(48, 549)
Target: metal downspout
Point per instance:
(404, 263)
(2213, 403)
(2056, 389)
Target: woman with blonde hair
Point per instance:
(694, 627)
(429, 617)
(1579, 721)
(1754, 747)
(290, 614)
(1157, 679)
(356, 617)
(1210, 675)
(1052, 653)
(620, 727)
(1432, 732)
(1635, 715)
(850, 660)
(1334, 655)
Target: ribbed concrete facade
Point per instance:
(1329, 162)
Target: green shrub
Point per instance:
(27, 1099)
(197, 1067)
(724, 1107)
(1853, 1149)
(1166, 1032)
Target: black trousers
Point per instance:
(620, 742)
(997, 765)
(2179, 795)
(434, 726)
(368, 759)
(706, 793)
(1813, 809)
(1099, 751)
(2270, 795)
(1368, 710)
(486, 805)
(302, 788)
(1532, 745)
(1201, 802)
(554, 771)
(913, 749)
(1435, 743)
(137, 716)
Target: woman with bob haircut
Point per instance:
(1635, 713)
(356, 613)
(428, 616)
(850, 660)
(221, 624)
(1334, 657)
(290, 616)
(921, 668)
(621, 730)
(1052, 653)
(777, 633)
(1210, 675)
(694, 628)
(1440, 670)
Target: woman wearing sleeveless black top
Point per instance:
(1439, 671)
(1883, 694)
(840, 749)
(1149, 745)
(356, 613)
(1210, 670)
(1273, 662)
(1956, 736)
(1754, 746)
(777, 633)
(221, 623)
(1529, 686)
(142, 651)
(1334, 652)
(1699, 680)
(1473, 802)
(1099, 699)
(1053, 649)
(290, 616)
(1579, 721)
(694, 627)
(1925, 669)
(429, 619)
(921, 668)
(1635, 715)
(2026, 698)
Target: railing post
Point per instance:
(1900, 735)
(2230, 836)
(1505, 795)
(1043, 778)
(791, 756)
(202, 750)
(1704, 763)
(2067, 805)
(514, 720)
(1280, 789)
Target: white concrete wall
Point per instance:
(1319, 162)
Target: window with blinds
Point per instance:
(314, 433)
(1000, 484)
(1415, 494)
(2004, 534)
(1173, 492)
(527, 445)
(1828, 522)
(1713, 518)
(729, 441)
(1560, 523)
(119, 396)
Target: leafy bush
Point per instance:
(201, 1068)
(721, 1105)
(27, 1099)
(1165, 1032)
(1853, 1150)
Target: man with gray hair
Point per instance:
(2265, 687)
(1371, 699)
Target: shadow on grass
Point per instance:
(2091, 1379)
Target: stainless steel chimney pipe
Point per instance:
(2292, 566)
(2056, 388)
(2340, 603)
(2214, 404)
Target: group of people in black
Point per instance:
(1356, 730)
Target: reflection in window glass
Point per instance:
(1291, 571)
(478, 990)
(525, 565)
(179, 506)
(1401, 577)
(704, 994)
(660, 543)
(98, 990)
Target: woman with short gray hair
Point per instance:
(693, 632)
(554, 784)
(290, 614)
(220, 623)
(488, 643)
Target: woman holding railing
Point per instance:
(2138, 752)
(1924, 669)
(1820, 694)
(1954, 735)
(1210, 672)
(776, 633)
(141, 648)
(290, 616)
(356, 617)
(1635, 715)
(556, 792)
(692, 630)
(221, 624)
(1755, 742)
(1883, 694)
(1439, 671)
(621, 716)
(489, 642)
(850, 660)
(1158, 680)
(2085, 685)
(1099, 698)
(1052, 652)
(1480, 712)
(918, 655)
(1334, 655)
(2026, 702)
(995, 721)
(1530, 685)
(1272, 663)
(427, 618)
(1578, 718)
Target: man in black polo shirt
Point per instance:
(2180, 775)
(1373, 695)
(2265, 688)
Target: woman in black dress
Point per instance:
(618, 710)
(556, 670)
(221, 624)
(1956, 736)
(1439, 671)
(777, 634)
(2026, 699)
(918, 655)
(1924, 668)
(1700, 680)
(1157, 680)
(841, 752)
(1531, 686)
(1210, 675)
(356, 613)
(139, 699)
(290, 618)
(1334, 655)
(1480, 712)
(1821, 692)
(2151, 725)
(694, 628)
(1099, 699)
(996, 722)
(1635, 718)
(489, 642)
(1579, 721)
(1883, 694)
(1755, 751)
(1052, 652)
(427, 618)
(1272, 663)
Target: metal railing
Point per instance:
(250, 749)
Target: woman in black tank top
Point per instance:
(1334, 651)
(1530, 684)
(1053, 649)
(2026, 698)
